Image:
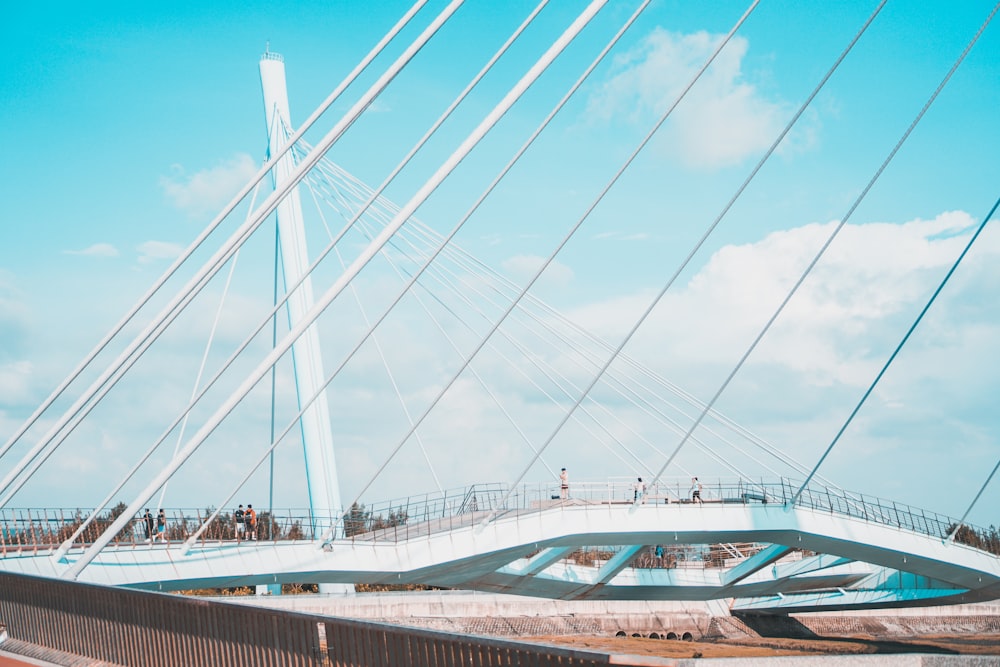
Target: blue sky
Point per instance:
(128, 126)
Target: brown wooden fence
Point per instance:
(130, 627)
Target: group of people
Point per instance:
(246, 523)
(638, 489)
(155, 529)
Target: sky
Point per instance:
(129, 126)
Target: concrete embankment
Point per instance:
(506, 615)
(512, 616)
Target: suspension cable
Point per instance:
(892, 154)
(737, 194)
(155, 328)
(376, 343)
(431, 184)
(337, 181)
(269, 205)
(490, 189)
(207, 231)
(573, 230)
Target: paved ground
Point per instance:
(950, 645)
(9, 660)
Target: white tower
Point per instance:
(317, 438)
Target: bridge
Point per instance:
(769, 533)
(831, 550)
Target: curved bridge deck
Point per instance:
(832, 550)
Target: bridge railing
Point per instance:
(31, 530)
(410, 517)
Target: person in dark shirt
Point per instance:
(147, 523)
(240, 517)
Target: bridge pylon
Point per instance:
(317, 436)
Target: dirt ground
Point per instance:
(772, 646)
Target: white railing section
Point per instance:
(28, 531)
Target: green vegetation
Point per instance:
(358, 520)
(987, 539)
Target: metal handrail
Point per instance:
(409, 517)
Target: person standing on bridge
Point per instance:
(240, 517)
(161, 526)
(147, 524)
(252, 522)
(695, 490)
(639, 490)
(563, 484)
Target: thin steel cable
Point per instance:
(659, 380)
(573, 230)
(739, 191)
(467, 146)
(892, 154)
(204, 357)
(376, 343)
(113, 373)
(274, 371)
(122, 482)
(265, 210)
(212, 226)
(446, 168)
(674, 389)
(492, 186)
(564, 384)
(892, 357)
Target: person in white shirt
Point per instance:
(695, 490)
(640, 490)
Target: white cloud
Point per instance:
(526, 266)
(868, 283)
(13, 317)
(722, 120)
(857, 300)
(154, 251)
(96, 250)
(15, 381)
(208, 190)
(830, 343)
(797, 387)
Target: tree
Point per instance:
(356, 520)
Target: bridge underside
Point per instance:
(804, 559)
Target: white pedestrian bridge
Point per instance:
(476, 331)
(745, 543)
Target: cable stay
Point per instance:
(469, 306)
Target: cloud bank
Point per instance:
(205, 192)
(103, 250)
(796, 388)
(723, 119)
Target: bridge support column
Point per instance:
(317, 438)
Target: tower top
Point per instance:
(268, 55)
